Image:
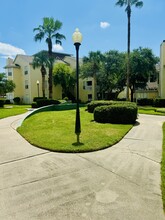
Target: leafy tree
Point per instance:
(92, 66)
(129, 4)
(93, 62)
(111, 71)
(143, 65)
(63, 75)
(6, 86)
(49, 30)
(41, 60)
(108, 70)
(111, 79)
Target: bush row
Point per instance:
(151, 102)
(44, 102)
(2, 103)
(93, 104)
(117, 114)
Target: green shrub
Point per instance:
(159, 103)
(1, 103)
(34, 105)
(145, 101)
(38, 98)
(92, 105)
(116, 114)
(44, 102)
(17, 100)
(7, 101)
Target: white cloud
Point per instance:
(104, 24)
(7, 50)
(57, 47)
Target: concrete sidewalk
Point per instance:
(119, 183)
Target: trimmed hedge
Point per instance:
(45, 102)
(93, 104)
(151, 102)
(159, 103)
(1, 103)
(34, 105)
(17, 100)
(145, 101)
(116, 114)
(7, 101)
(38, 98)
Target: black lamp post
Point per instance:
(38, 84)
(77, 39)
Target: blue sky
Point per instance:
(102, 24)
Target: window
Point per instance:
(89, 97)
(83, 85)
(9, 73)
(89, 83)
(26, 84)
(25, 70)
(152, 77)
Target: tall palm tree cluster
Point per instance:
(48, 31)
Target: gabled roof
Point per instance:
(11, 64)
(26, 58)
(58, 56)
(29, 59)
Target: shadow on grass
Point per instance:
(78, 144)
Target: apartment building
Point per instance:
(29, 80)
(161, 81)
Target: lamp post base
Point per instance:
(78, 138)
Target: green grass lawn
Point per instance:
(151, 110)
(11, 110)
(54, 130)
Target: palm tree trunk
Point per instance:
(50, 80)
(43, 72)
(128, 48)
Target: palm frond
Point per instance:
(39, 36)
(139, 4)
(58, 36)
(121, 3)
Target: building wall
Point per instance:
(87, 89)
(14, 74)
(149, 94)
(162, 71)
(17, 77)
(25, 78)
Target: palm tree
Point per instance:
(91, 66)
(129, 4)
(41, 59)
(49, 31)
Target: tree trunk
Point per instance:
(43, 72)
(132, 92)
(128, 47)
(50, 80)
